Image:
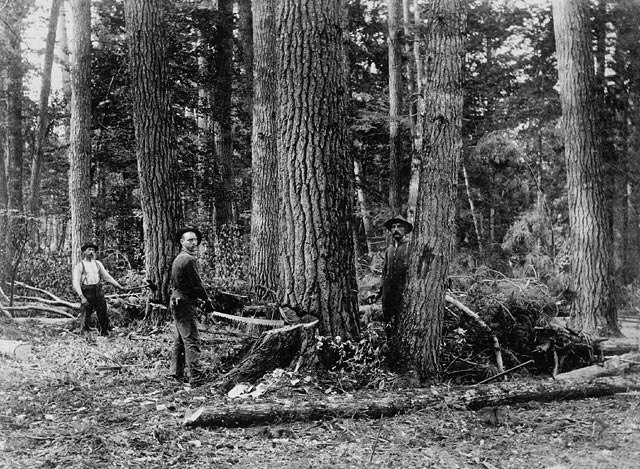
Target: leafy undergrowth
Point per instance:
(105, 403)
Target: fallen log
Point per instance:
(275, 348)
(619, 345)
(366, 405)
(37, 307)
(15, 349)
(47, 321)
(614, 366)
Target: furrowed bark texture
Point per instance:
(80, 128)
(420, 325)
(593, 308)
(155, 147)
(317, 251)
(264, 143)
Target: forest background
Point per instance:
(511, 211)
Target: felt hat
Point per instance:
(89, 244)
(188, 229)
(398, 219)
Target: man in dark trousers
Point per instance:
(86, 279)
(394, 271)
(187, 290)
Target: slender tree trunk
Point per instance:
(43, 118)
(420, 324)
(416, 161)
(317, 273)
(472, 209)
(264, 201)
(364, 206)
(221, 102)
(62, 56)
(395, 102)
(593, 308)
(245, 31)
(80, 127)
(155, 142)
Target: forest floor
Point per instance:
(62, 406)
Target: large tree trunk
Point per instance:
(80, 128)
(221, 105)
(43, 117)
(593, 309)
(264, 201)
(395, 102)
(317, 270)
(155, 148)
(420, 325)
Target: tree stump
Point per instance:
(276, 348)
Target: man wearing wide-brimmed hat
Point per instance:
(394, 271)
(188, 289)
(86, 278)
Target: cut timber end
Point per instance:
(189, 419)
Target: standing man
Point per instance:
(187, 290)
(394, 271)
(86, 278)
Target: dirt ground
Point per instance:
(60, 409)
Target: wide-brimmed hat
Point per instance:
(188, 229)
(89, 244)
(398, 219)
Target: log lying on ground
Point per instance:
(61, 322)
(276, 348)
(15, 349)
(368, 406)
(614, 366)
(619, 345)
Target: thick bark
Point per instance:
(264, 144)
(317, 265)
(155, 148)
(395, 101)
(43, 117)
(593, 309)
(420, 325)
(79, 128)
(374, 407)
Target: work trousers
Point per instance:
(95, 302)
(186, 341)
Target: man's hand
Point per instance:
(83, 300)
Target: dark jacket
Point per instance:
(186, 279)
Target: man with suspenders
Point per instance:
(87, 275)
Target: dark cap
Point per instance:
(188, 229)
(89, 244)
(398, 219)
